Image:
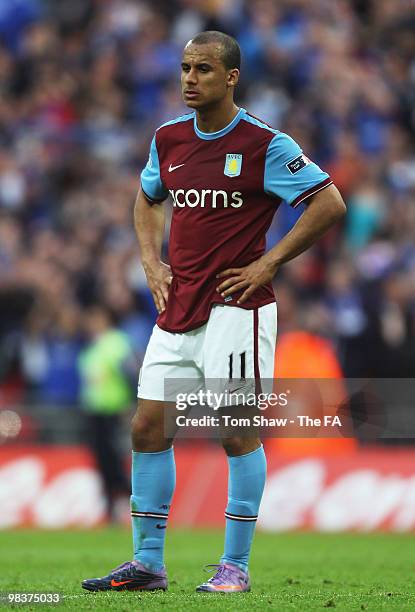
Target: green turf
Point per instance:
(289, 571)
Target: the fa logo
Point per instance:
(233, 164)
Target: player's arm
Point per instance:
(291, 176)
(324, 210)
(149, 221)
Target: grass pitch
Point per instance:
(304, 572)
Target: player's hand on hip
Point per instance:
(159, 278)
(250, 277)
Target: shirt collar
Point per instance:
(223, 131)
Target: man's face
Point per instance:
(205, 80)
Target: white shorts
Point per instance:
(234, 344)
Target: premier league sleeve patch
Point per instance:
(298, 163)
(233, 164)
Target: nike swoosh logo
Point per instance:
(173, 168)
(235, 389)
(114, 583)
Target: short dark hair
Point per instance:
(231, 52)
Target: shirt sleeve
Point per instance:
(151, 182)
(289, 174)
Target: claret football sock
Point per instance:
(245, 487)
(153, 481)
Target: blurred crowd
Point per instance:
(83, 85)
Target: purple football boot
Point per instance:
(228, 579)
(129, 576)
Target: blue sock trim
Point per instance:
(168, 450)
(246, 454)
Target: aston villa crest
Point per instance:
(233, 164)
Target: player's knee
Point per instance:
(237, 445)
(140, 425)
(147, 436)
(140, 429)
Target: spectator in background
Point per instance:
(107, 367)
(50, 348)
